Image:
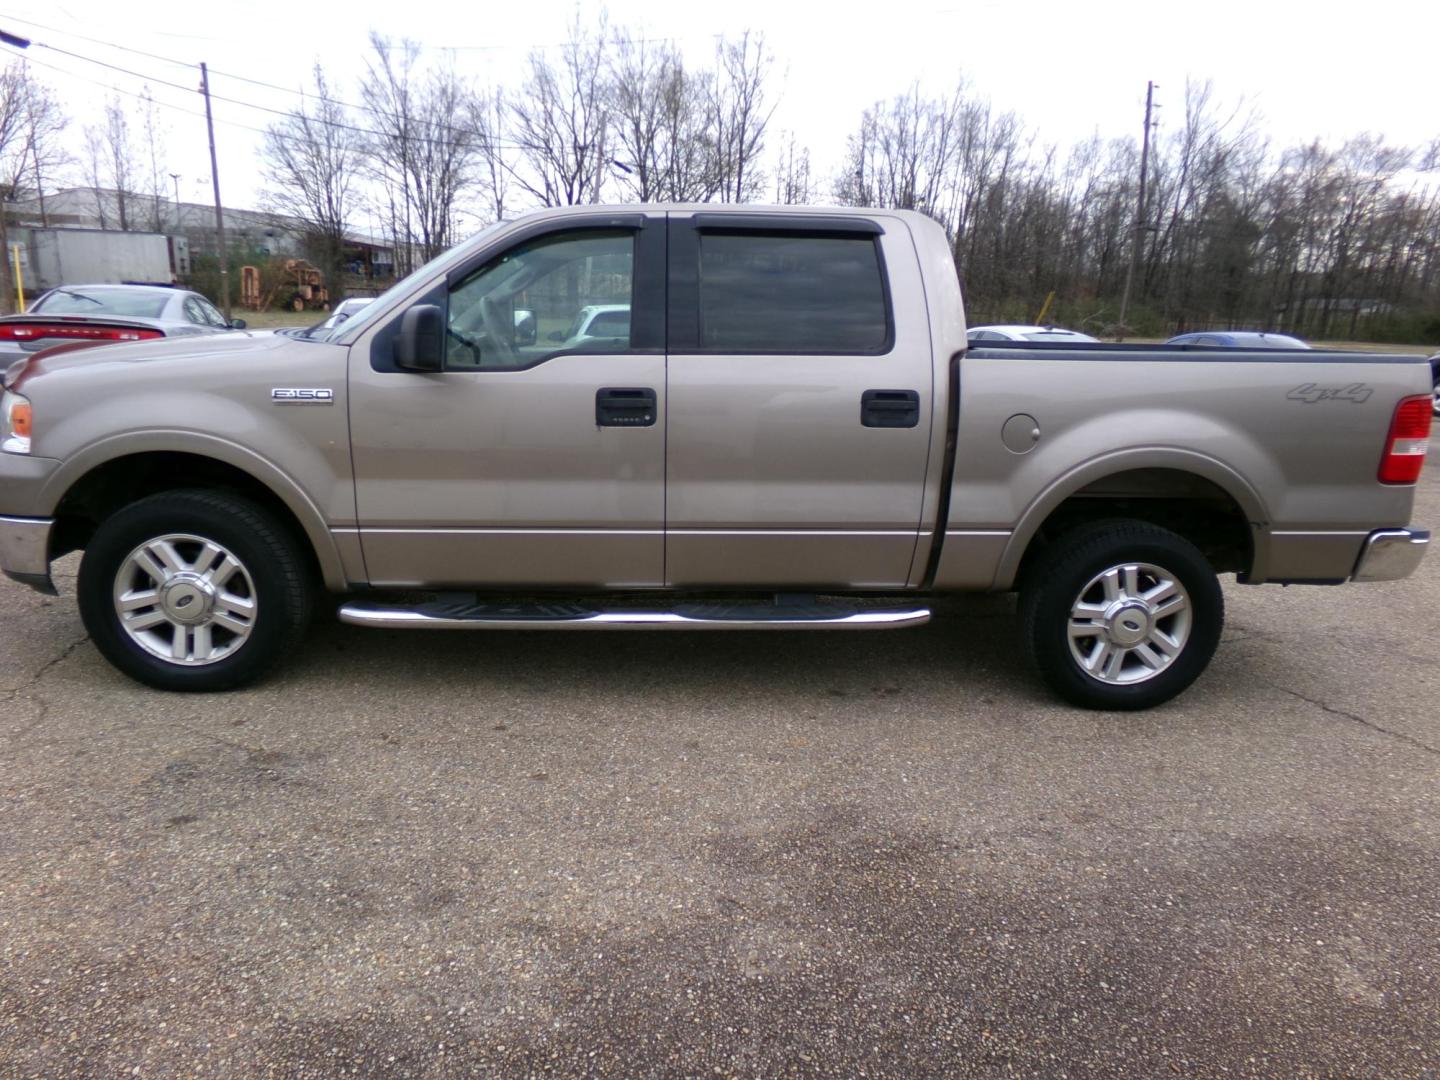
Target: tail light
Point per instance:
(38, 331)
(1408, 440)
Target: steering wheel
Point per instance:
(466, 341)
(496, 330)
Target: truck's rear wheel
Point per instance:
(1120, 615)
(193, 590)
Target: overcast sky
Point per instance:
(1312, 69)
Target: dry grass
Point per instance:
(272, 320)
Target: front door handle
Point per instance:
(624, 406)
(890, 408)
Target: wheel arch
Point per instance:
(1197, 496)
(115, 473)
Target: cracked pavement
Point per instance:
(651, 855)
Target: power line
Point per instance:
(286, 114)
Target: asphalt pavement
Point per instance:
(763, 855)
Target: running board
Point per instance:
(467, 615)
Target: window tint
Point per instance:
(761, 292)
(541, 299)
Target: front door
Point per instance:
(800, 402)
(536, 457)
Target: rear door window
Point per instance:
(764, 292)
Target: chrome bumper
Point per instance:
(1391, 554)
(25, 551)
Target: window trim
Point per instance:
(684, 274)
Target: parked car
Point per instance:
(1435, 380)
(787, 432)
(344, 310)
(1239, 339)
(1021, 332)
(100, 314)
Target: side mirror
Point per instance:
(237, 324)
(421, 344)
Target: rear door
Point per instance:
(800, 402)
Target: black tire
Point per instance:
(1055, 581)
(272, 558)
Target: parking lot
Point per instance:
(884, 854)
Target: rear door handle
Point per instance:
(890, 408)
(624, 406)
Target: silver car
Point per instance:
(1023, 332)
(1239, 339)
(100, 314)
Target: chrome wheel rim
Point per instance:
(1129, 623)
(185, 599)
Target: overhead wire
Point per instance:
(503, 144)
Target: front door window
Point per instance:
(567, 293)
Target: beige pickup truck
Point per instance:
(697, 417)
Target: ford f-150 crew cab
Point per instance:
(781, 426)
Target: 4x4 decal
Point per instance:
(1309, 393)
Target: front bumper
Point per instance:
(1391, 554)
(25, 551)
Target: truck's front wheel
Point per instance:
(1120, 615)
(193, 590)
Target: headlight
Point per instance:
(15, 418)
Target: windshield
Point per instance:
(372, 311)
(80, 301)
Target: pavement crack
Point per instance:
(1363, 722)
(14, 693)
(45, 667)
(250, 750)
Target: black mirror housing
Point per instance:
(421, 343)
(237, 324)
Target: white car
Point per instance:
(345, 309)
(597, 322)
(1022, 332)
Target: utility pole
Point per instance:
(215, 181)
(175, 178)
(1139, 209)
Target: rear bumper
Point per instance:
(25, 551)
(1391, 554)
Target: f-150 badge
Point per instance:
(1309, 393)
(302, 396)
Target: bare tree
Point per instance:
(486, 120)
(737, 117)
(310, 164)
(792, 175)
(93, 169)
(389, 97)
(120, 164)
(14, 97)
(445, 157)
(152, 132)
(659, 122)
(561, 123)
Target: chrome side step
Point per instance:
(467, 615)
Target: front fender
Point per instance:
(285, 487)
